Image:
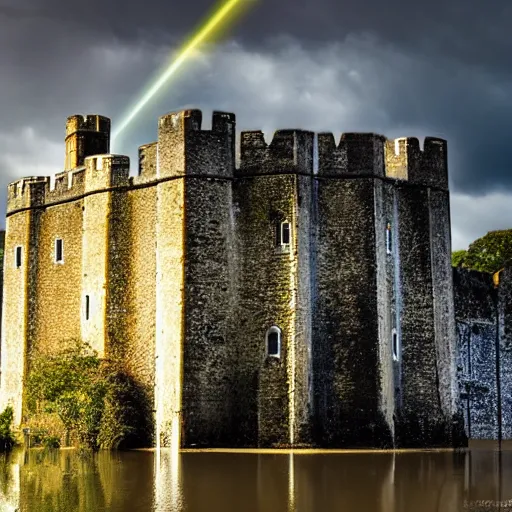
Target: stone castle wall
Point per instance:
(482, 314)
(181, 278)
(347, 323)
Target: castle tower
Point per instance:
(274, 225)
(353, 372)
(20, 278)
(194, 288)
(103, 253)
(85, 136)
(427, 410)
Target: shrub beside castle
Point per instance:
(95, 401)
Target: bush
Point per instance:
(96, 399)
(6, 436)
(51, 441)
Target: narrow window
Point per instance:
(17, 256)
(283, 233)
(274, 342)
(396, 348)
(285, 229)
(59, 256)
(87, 307)
(389, 239)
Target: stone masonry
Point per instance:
(484, 320)
(303, 298)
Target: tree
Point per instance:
(486, 254)
(6, 435)
(458, 258)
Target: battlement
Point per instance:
(100, 172)
(406, 161)
(184, 148)
(87, 123)
(147, 160)
(106, 171)
(289, 150)
(26, 192)
(356, 153)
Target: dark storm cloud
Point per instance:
(474, 31)
(401, 68)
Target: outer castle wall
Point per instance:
(176, 272)
(483, 320)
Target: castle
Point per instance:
(302, 297)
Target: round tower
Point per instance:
(86, 136)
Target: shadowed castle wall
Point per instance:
(274, 186)
(482, 307)
(420, 399)
(505, 345)
(475, 315)
(429, 397)
(352, 408)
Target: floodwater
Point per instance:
(478, 479)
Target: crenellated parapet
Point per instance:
(355, 154)
(148, 160)
(185, 149)
(289, 151)
(406, 161)
(105, 172)
(26, 193)
(100, 172)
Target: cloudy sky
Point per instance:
(400, 68)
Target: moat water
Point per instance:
(479, 479)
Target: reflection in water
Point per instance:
(166, 481)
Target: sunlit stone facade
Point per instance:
(303, 297)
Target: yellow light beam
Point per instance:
(184, 52)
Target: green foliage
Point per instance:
(93, 398)
(126, 415)
(458, 258)
(51, 441)
(6, 435)
(487, 254)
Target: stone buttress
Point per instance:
(194, 295)
(353, 373)
(273, 205)
(427, 413)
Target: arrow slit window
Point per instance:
(389, 239)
